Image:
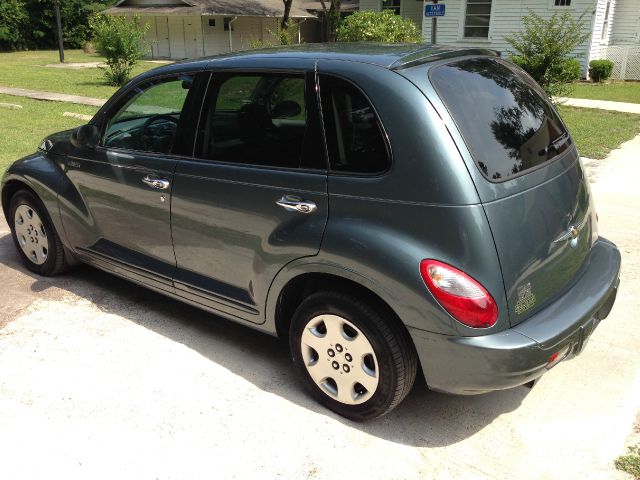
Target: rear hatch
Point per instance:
(528, 176)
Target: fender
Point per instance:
(43, 175)
(308, 265)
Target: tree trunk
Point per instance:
(285, 17)
(332, 18)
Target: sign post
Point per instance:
(434, 10)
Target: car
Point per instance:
(393, 211)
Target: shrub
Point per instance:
(382, 26)
(630, 463)
(600, 70)
(89, 48)
(121, 41)
(543, 47)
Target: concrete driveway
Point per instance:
(100, 378)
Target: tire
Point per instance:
(35, 237)
(350, 358)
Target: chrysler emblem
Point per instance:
(572, 234)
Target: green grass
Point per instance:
(630, 463)
(21, 131)
(597, 132)
(27, 70)
(614, 91)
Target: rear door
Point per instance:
(528, 175)
(254, 198)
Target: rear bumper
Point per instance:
(513, 357)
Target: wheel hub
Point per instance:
(340, 359)
(31, 234)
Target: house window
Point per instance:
(562, 3)
(393, 5)
(605, 26)
(227, 23)
(212, 22)
(476, 19)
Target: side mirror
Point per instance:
(286, 109)
(86, 136)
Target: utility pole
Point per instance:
(59, 22)
(434, 26)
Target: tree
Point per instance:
(285, 16)
(383, 26)
(13, 22)
(543, 48)
(32, 23)
(332, 16)
(121, 41)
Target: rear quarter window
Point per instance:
(505, 118)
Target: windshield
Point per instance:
(507, 122)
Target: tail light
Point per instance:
(463, 297)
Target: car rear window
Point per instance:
(507, 122)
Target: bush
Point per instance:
(630, 463)
(543, 47)
(382, 26)
(121, 41)
(600, 70)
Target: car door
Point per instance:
(120, 218)
(254, 198)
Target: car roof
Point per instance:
(392, 56)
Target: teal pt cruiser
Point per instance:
(391, 210)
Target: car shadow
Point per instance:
(424, 419)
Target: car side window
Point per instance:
(259, 119)
(355, 139)
(149, 118)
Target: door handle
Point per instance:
(155, 182)
(293, 203)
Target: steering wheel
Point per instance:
(154, 119)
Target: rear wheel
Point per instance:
(34, 235)
(351, 359)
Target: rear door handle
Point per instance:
(156, 182)
(293, 203)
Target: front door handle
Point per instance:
(155, 182)
(293, 203)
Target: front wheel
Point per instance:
(350, 358)
(34, 235)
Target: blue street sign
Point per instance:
(434, 10)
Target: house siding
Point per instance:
(506, 18)
(177, 37)
(626, 23)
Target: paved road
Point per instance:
(102, 379)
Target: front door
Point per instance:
(125, 185)
(255, 196)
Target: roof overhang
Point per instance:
(229, 8)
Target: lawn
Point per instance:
(21, 131)
(614, 91)
(27, 70)
(597, 132)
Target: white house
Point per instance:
(194, 28)
(614, 25)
